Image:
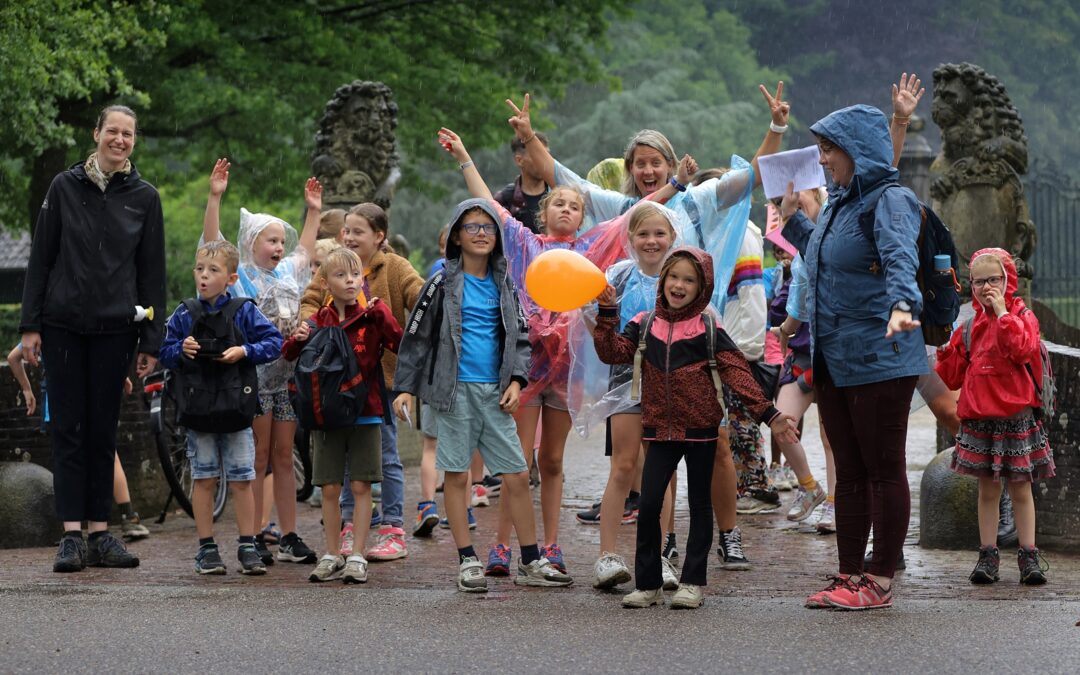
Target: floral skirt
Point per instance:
(1013, 448)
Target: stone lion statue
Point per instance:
(978, 191)
(355, 154)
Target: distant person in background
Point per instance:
(331, 223)
(522, 197)
(608, 173)
(441, 262)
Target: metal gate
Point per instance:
(1054, 203)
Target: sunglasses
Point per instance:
(474, 228)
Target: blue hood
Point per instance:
(862, 131)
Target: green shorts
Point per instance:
(362, 445)
(477, 421)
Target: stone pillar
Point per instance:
(1057, 501)
(915, 160)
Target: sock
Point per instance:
(808, 483)
(126, 510)
(206, 541)
(831, 499)
(73, 533)
(530, 553)
(467, 552)
(246, 540)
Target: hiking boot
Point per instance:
(329, 568)
(264, 553)
(390, 545)
(208, 560)
(668, 575)
(1033, 566)
(355, 571)
(671, 550)
(427, 518)
(986, 570)
(498, 564)
(826, 523)
(541, 573)
(732, 556)
(71, 555)
(689, 596)
(471, 576)
(818, 600)
(590, 516)
(805, 502)
(293, 549)
(348, 540)
(554, 555)
(131, 529)
(480, 496)
(641, 599)
(901, 564)
(610, 571)
(250, 560)
(108, 551)
(866, 594)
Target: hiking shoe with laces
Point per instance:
(264, 553)
(480, 496)
(826, 523)
(355, 571)
(427, 518)
(901, 564)
(817, 600)
(590, 516)
(208, 560)
(348, 540)
(553, 554)
(71, 555)
(667, 573)
(640, 599)
(293, 549)
(329, 568)
(986, 570)
(108, 551)
(250, 560)
(471, 577)
(444, 523)
(498, 564)
(493, 485)
(671, 550)
(1033, 566)
(865, 594)
(805, 502)
(689, 596)
(610, 571)
(732, 556)
(541, 573)
(132, 529)
(390, 545)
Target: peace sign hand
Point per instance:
(778, 108)
(906, 95)
(520, 120)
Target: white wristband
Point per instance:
(776, 128)
(466, 165)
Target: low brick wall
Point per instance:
(1057, 501)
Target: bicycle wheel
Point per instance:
(171, 442)
(302, 464)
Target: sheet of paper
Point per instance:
(772, 230)
(798, 166)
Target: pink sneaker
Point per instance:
(866, 594)
(818, 600)
(346, 540)
(390, 544)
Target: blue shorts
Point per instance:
(477, 421)
(207, 452)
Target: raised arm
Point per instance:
(219, 181)
(779, 109)
(313, 201)
(905, 98)
(538, 154)
(451, 142)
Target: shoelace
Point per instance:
(1037, 557)
(733, 540)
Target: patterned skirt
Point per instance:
(1013, 448)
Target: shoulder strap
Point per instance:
(1034, 380)
(232, 307)
(966, 334)
(714, 368)
(639, 356)
(194, 308)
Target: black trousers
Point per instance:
(85, 380)
(661, 460)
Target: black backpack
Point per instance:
(327, 389)
(212, 396)
(940, 289)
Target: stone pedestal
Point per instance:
(1057, 501)
(948, 506)
(27, 511)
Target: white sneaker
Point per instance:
(610, 571)
(688, 596)
(667, 573)
(541, 573)
(328, 568)
(640, 599)
(805, 503)
(778, 479)
(355, 570)
(480, 496)
(787, 474)
(471, 577)
(826, 524)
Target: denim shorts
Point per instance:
(207, 452)
(476, 421)
(427, 421)
(279, 404)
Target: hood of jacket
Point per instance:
(862, 131)
(704, 263)
(1008, 268)
(453, 250)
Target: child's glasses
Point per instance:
(474, 228)
(993, 281)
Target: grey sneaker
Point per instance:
(355, 570)
(688, 596)
(471, 577)
(71, 555)
(610, 571)
(541, 573)
(732, 556)
(328, 568)
(667, 573)
(108, 551)
(208, 560)
(805, 503)
(250, 560)
(131, 529)
(826, 524)
(748, 506)
(640, 599)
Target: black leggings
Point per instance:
(661, 460)
(85, 380)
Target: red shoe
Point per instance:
(818, 600)
(866, 594)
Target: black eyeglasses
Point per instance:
(474, 228)
(992, 281)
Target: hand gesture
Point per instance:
(901, 322)
(687, 168)
(451, 142)
(778, 108)
(906, 95)
(607, 297)
(313, 194)
(231, 355)
(31, 401)
(144, 365)
(302, 332)
(520, 120)
(219, 177)
(401, 407)
(785, 429)
(510, 398)
(190, 347)
(997, 300)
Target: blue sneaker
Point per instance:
(376, 517)
(427, 517)
(554, 556)
(445, 524)
(498, 564)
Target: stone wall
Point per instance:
(1057, 501)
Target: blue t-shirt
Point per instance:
(480, 316)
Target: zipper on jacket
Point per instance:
(667, 374)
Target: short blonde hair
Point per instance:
(643, 211)
(323, 247)
(340, 258)
(230, 253)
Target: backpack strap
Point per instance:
(195, 309)
(966, 334)
(231, 308)
(639, 356)
(1027, 366)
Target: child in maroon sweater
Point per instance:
(680, 412)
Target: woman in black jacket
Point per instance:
(98, 252)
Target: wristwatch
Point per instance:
(903, 306)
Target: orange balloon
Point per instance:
(560, 280)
